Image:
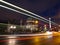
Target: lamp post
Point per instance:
(49, 24)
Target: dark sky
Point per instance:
(45, 8)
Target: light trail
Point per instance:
(43, 34)
(22, 9)
(22, 13)
(26, 11)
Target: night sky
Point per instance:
(45, 8)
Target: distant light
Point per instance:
(13, 27)
(36, 21)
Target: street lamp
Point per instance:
(36, 22)
(49, 24)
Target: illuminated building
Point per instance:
(32, 24)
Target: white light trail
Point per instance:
(26, 11)
(23, 9)
(21, 13)
(27, 35)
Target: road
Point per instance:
(31, 40)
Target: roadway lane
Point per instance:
(31, 40)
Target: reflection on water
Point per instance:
(36, 40)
